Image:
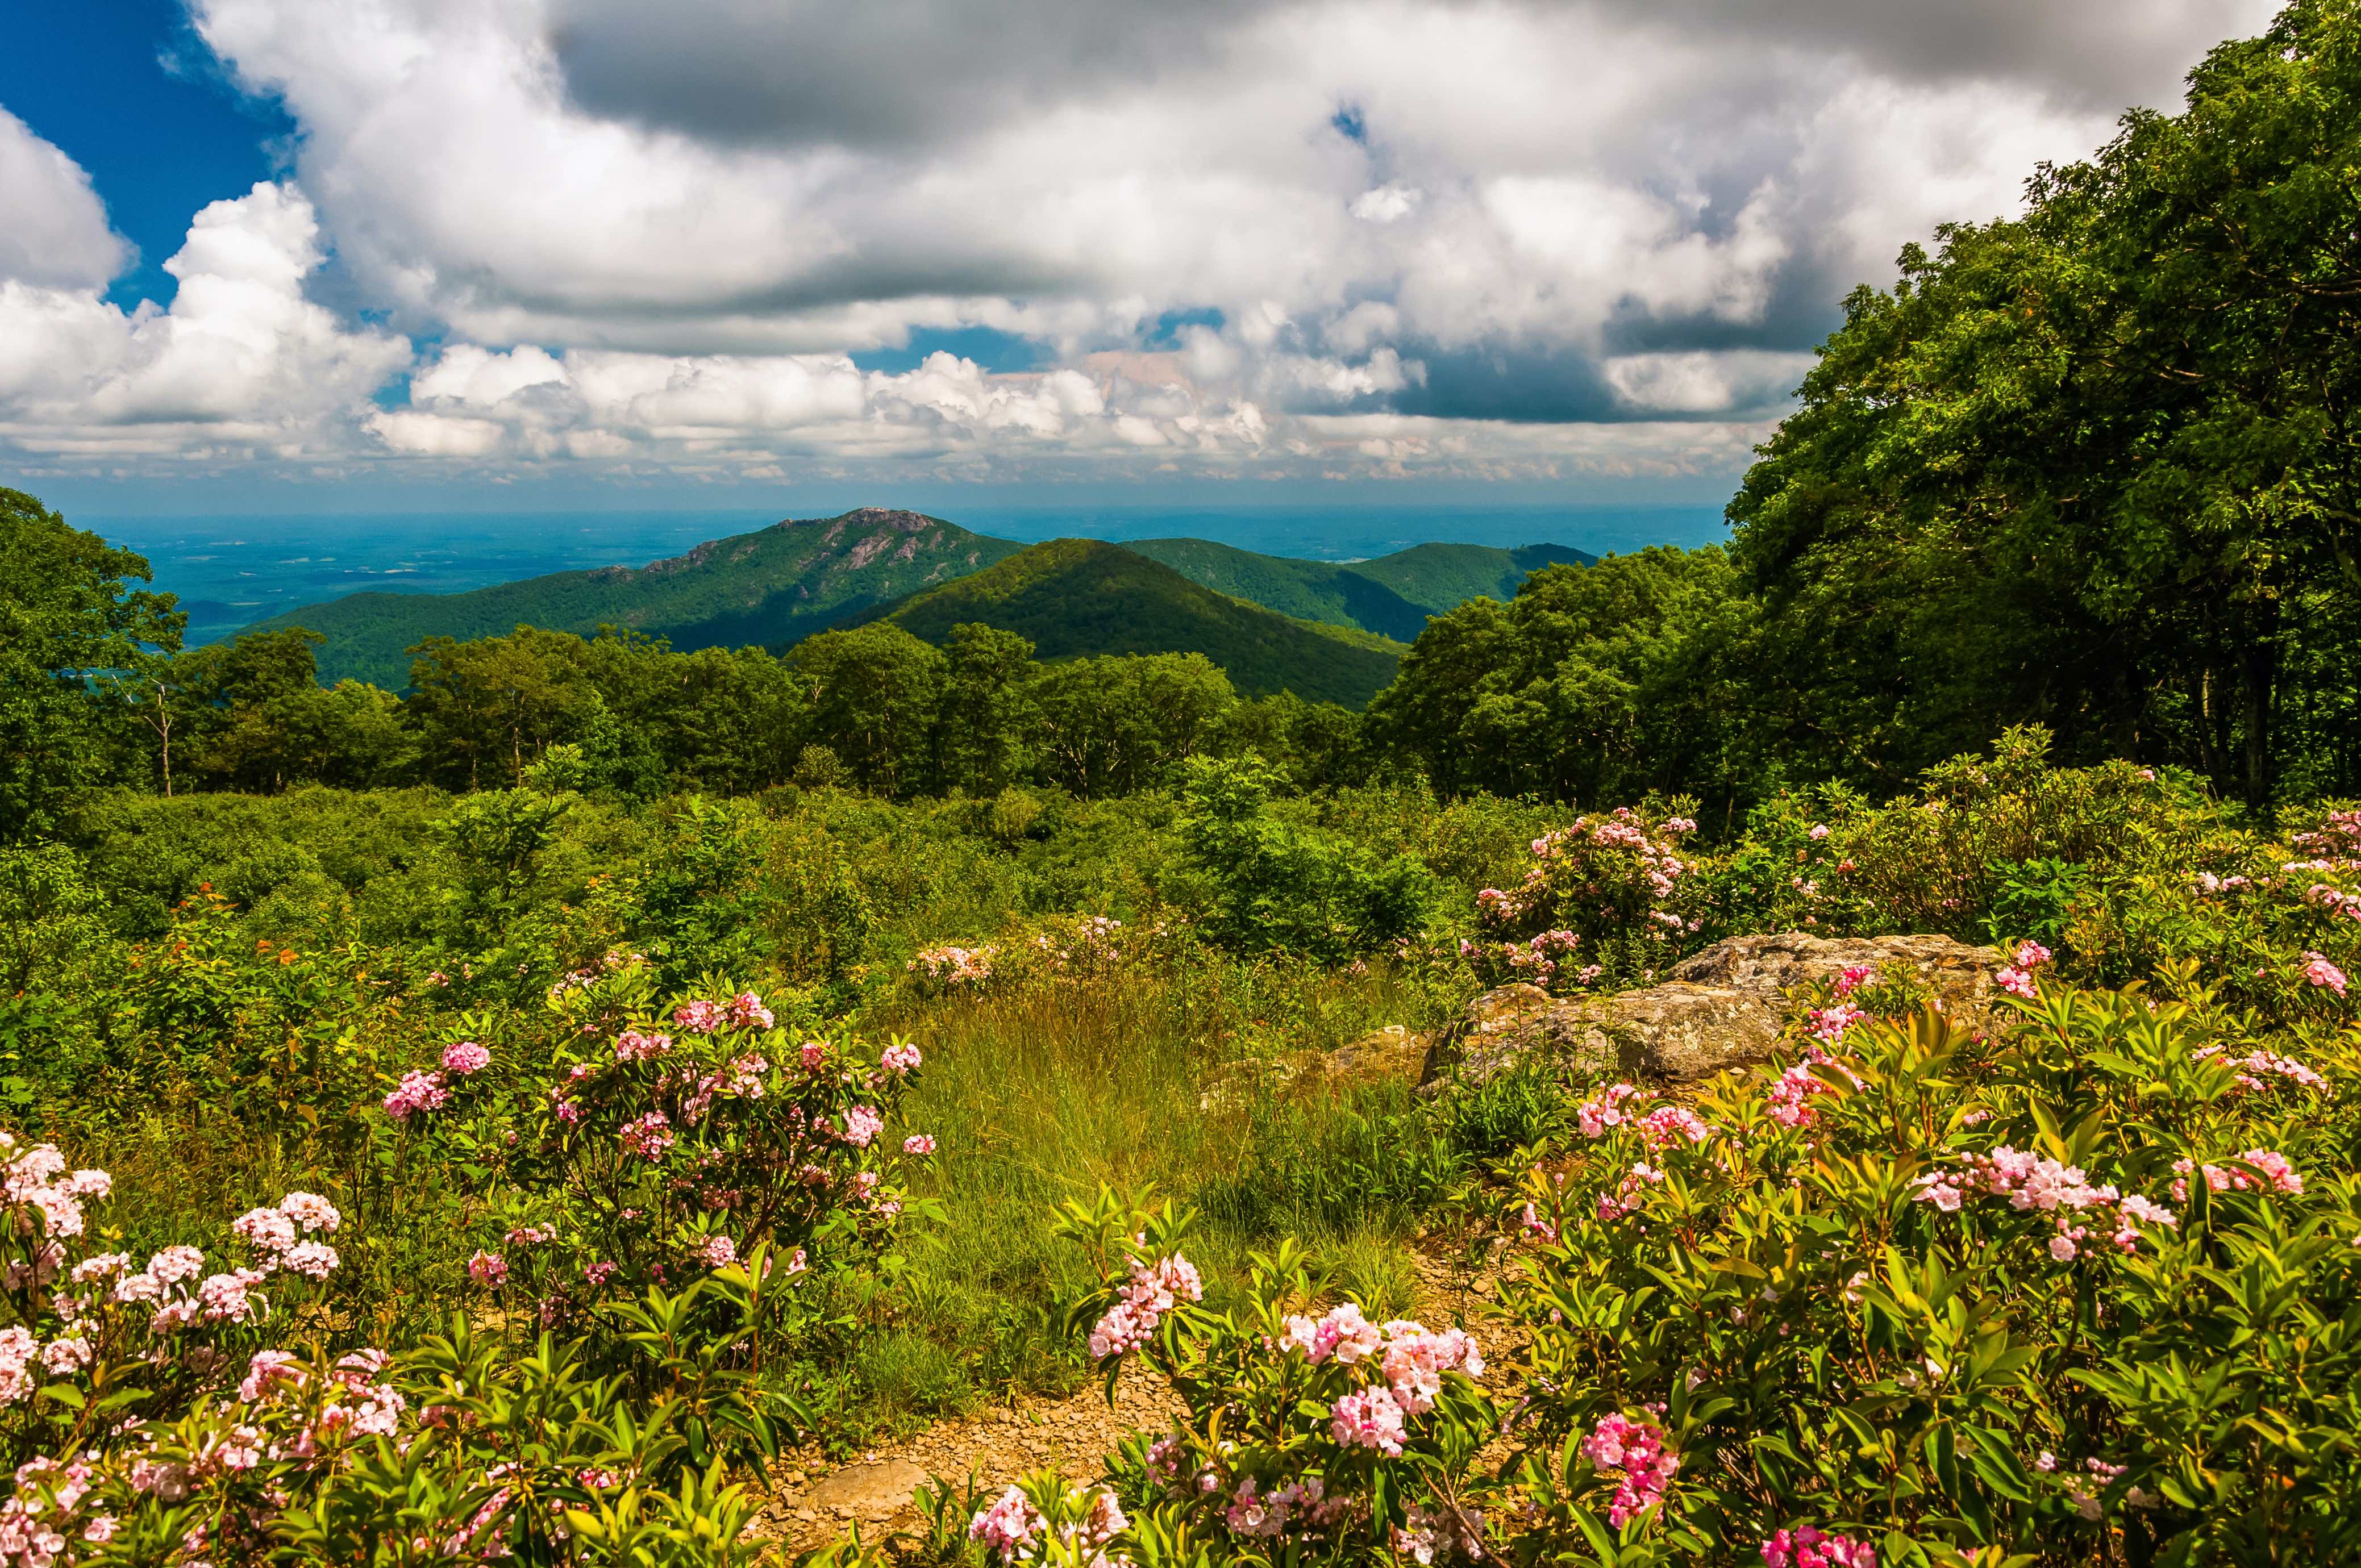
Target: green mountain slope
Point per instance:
(1392, 595)
(1076, 597)
(772, 587)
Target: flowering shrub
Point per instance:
(1326, 1434)
(658, 1146)
(1906, 1296)
(1610, 898)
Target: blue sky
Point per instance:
(287, 256)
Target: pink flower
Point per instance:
(489, 1270)
(900, 1058)
(917, 1143)
(1368, 1417)
(311, 1211)
(649, 1136)
(632, 1045)
(698, 1017)
(862, 1124)
(1010, 1526)
(746, 1011)
(1634, 1450)
(2031, 955)
(1808, 1547)
(717, 1252)
(1673, 1123)
(2319, 971)
(813, 1055)
(464, 1056)
(2017, 983)
(416, 1091)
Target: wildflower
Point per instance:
(698, 1017)
(862, 1124)
(1808, 1547)
(1010, 1526)
(1669, 1125)
(311, 1211)
(1604, 1111)
(464, 1056)
(2319, 971)
(917, 1143)
(649, 1136)
(2271, 1171)
(1635, 1451)
(1344, 1333)
(899, 1058)
(717, 1252)
(489, 1270)
(417, 1092)
(632, 1045)
(745, 1010)
(1368, 1417)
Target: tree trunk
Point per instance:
(2259, 657)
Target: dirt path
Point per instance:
(1071, 1436)
(814, 1506)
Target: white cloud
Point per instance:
(241, 356)
(55, 233)
(1534, 234)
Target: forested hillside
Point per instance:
(1075, 597)
(765, 588)
(1835, 1050)
(1391, 596)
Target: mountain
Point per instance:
(773, 587)
(1391, 596)
(1075, 597)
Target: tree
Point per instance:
(1112, 725)
(980, 735)
(873, 694)
(66, 618)
(2099, 467)
(1594, 684)
(496, 702)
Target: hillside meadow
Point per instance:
(526, 1116)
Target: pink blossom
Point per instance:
(633, 1046)
(649, 1136)
(2271, 1171)
(464, 1056)
(717, 1252)
(1634, 1451)
(1154, 1289)
(1605, 1109)
(311, 1211)
(862, 1124)
(1011, 1527)
(813, 1054)
(1368, 1417)
(417, 1092)
(698, 1017)
(1808, 1547)
(2319, 971)
(918, 1143)
(900, 1058)
(489, 1270)
(746, 1011)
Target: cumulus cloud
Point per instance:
(241, 359)
(1521, 237)
(56, 235)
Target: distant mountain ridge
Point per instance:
(773, 587)
(1391, 596)
(776, 586)
(1079, 597)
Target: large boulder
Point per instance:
(1716, 1009)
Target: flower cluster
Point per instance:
(2255, 1066)
(1806, 1547)
(2271, 1171)
(1599, 880)
(954, 967)
(417, 1092)
(2032, 1182)
(2321, 974)
(273, 1234)
(2016, 976)
(1635, 1454)
(1154, 1289)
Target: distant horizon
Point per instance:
(232, 569)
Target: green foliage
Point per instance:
(1392, 595)
(1277, 886)
(66, 617)
(765, 589)
(1072, 598)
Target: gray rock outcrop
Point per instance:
(1718, 1008)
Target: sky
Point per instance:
(262, 254)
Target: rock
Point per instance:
(867, 1491)
(1716, 1009)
